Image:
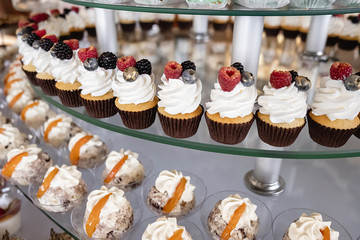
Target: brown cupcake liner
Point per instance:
(277, 136)
(76, 35)
(64, 37)
(31, 77)
(328, 137)
(347, 44)
(91, 31)
(180, 128)
(357, 133)
(273, 32)
(331, 41)
(70, 98)
(290, 34)
(228, 133)
(100, 108)
(47, 86)
(140, 119)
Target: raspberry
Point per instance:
(340, 70)
(144, 66)
(55, 12)
(40, 33)
(238, 66)
(228, 78)
(39, 17)
(294, 74)
(125, 62)
(85, 53)
(75, 9)
(46, 44)
(107, 60)
(173, 70)
(279, 79)
(51, 37)
(23, 23)
(62, 51)
(32, 37)
(188, 65)
(73, 43)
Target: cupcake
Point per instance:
(64, 27)
(76, 23)
(185, 21)
(88, 15)
(230, 111)
(96, 77)
(23, 31)
(86, 150)
(272, 25)
(233, 218)
(335, 28)
(165, 228)
(26, 165)
(348, 38)
(283, 107)
(311, 3)
(304, 27)
(58, 130)
(123, 170)
(334, 112)
(35, 113)
(290, 26)
(310, 227)
(53, 25)
(179, 118)
(166, 22)
(10, 138)
(147, 20)
(135, 90)
(108, 213)
(61, 189)
(173, 194)
(18, 99)
(219, 23)
(127, 21)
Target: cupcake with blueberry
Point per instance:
(230, 111)
(76, 23)
(96, 77)
(18, 99)
(283, 108)
(10, 138)
(135, 90)
(334, 112)
(179, 118)
(35, 113)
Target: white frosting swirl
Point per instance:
(162, 229)
(293, 21)
(67, 177)
(178, 97)
(97, 83)
(18, 73)
(146, 16)
(237, 103)
(350, 29)
(309, 226)
(21, 44)
(336, 25)
(273, 21)
(65, 28)
(129, 165)
(141, 90)
(166, 17)
(93, 142)
(167, 181)
(333, 100)
(185, 17)
(29, 54)
(33, 154)
(42, 61)
(62, 128)
(74, 20)
(228, 206)
(88, 15)
(284, 104)
(51, 25)
(65, 71)
(23, 84)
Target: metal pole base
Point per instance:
(264, 189)
(200, 37)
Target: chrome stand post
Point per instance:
(200, 28)
(106, 30)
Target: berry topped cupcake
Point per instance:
(283, 107)
(334, 112)
(179, 118)
(135, 90)
(230, 111)
(76, 23)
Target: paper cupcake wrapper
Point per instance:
(347, 44)
(180, 128)
(91, 31)
(273, 32)
(357, 133)
(70, 98)
(328, 137)
(228, 133)
(331, 41)
(47, 86)
(138, 120)
(290, 34)
(277, 136)
(76, 35)
(100, 108)
(64, 37)
(127, 27)
(31, 77)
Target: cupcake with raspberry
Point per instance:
(54, 25)
(230, 111)
(96, 77)
(135, 90)
(35, 113)
(18, 99)
(179, 118)
(283, 107)
(76, 23)
(334, 112)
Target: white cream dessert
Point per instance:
(26, 165)
(228, 209)
(10, 138)
(185, 21)
(172, 185)
(89, 17)
(123, 170)
(311, 227)
(52, 26)
(86, 150)
(4, 119)
(15, 84)
(65, 71)
(62, 188)
(35, 113)
(108, 213)
(10, 217)
(127, 20)
(18, 99)
(335, 27)
(75, 22)
(165, 228)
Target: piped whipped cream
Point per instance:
(25, 97)
(166, 17)
(309, 226)
(62, 128)
(333, 100)
(350, 29)
(65, 71)
(51, 25)
(29, 54)
(42, 61)
(162, 229)
(74, 20)
(67, 177)
(336, 26)
(97, 82)
(93, 142)
(178, 97)
(167, 181)
(88, 15)
(237, 103)
(33, 154)
(129, 165)
(10, 137)
(272, 21)
(283, 105)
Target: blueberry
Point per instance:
(189, 76)
(25, 37)
(247, 79)
(91, 64)
(52, 52)
(302, 83)
(130, 74)
(36, 44)
(352, 83)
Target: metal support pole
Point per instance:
(200, 28)
(106, 30)
(317, 36)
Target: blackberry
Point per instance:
(66, 11)
(107, 60)
(27, 29)
(358, 73)
(62, 15)
(188, 65)
(294, 74)
(144, 66)
(62, 51)
(354, 19)
(238, 66)
(31, 38)
(46, 44)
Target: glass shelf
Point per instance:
(230, 10)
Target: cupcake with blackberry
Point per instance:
(35, 113)
(26, 165)
(135, 90)
(179, 118)
(76, 23)
(334, 112)
(96, 77)
(22, 32)
(283, 108)
(18, 99)
(10, 138)
(230, 111)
